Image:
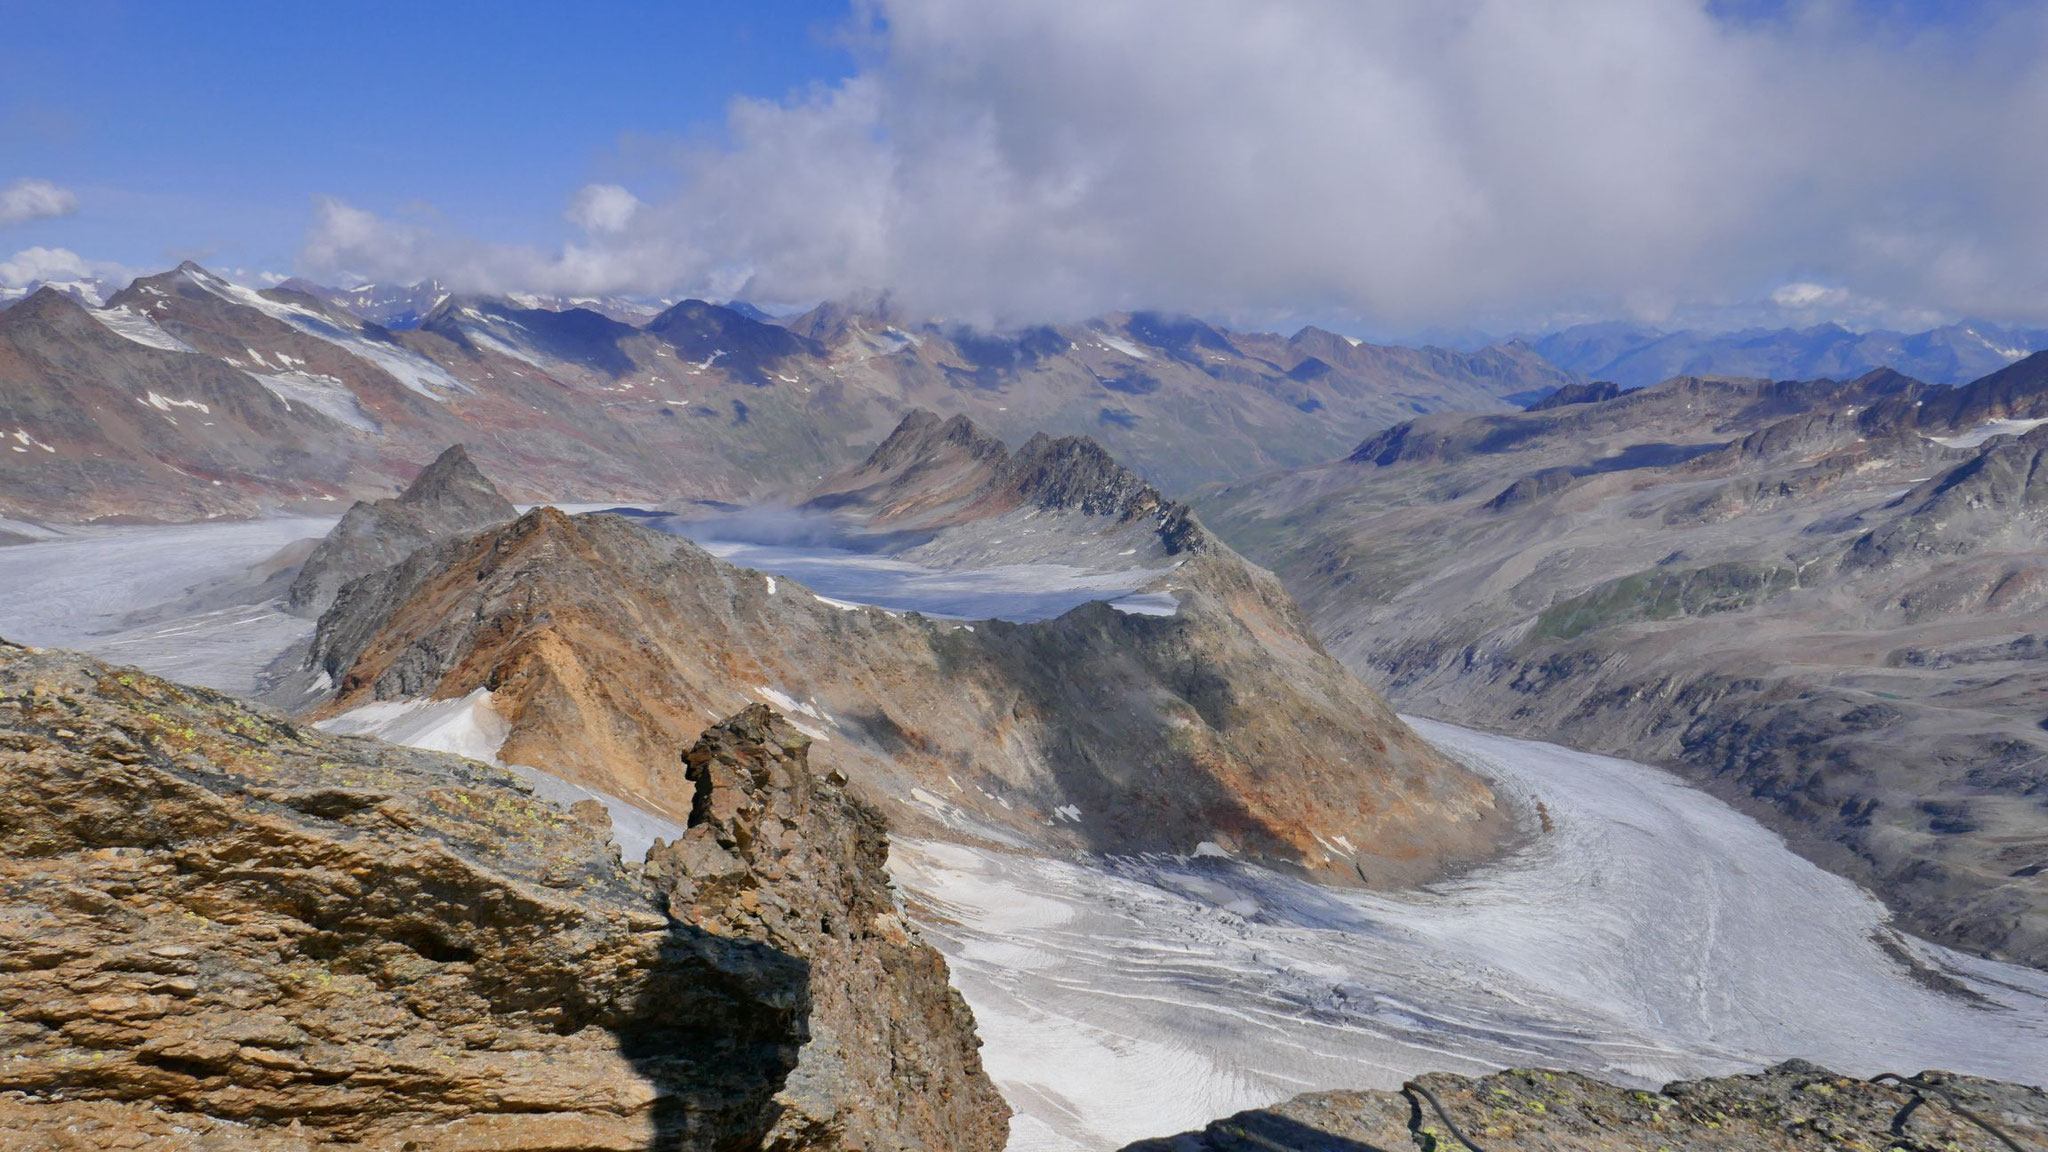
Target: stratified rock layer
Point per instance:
(1793, 1106)
(222, 931)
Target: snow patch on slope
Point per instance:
(416, 372)
(132, 325)
(1971, 438)
(471, 726)
(323, 394)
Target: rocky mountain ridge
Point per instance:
(1639, 356)
(1812, 598)
(1222, 723)
(697, 401)
(448, 497)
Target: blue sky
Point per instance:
(1385, 167)
(191, 129)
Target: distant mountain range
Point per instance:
(1637, 357)
(188, 396)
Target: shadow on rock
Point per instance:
(716, 1031)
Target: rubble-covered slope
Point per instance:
(1795, 1105)
(1824, 601)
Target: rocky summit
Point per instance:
(448, 497)
(224, 930)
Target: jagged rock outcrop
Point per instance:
(223, 931)
(778, 855)
(1591, 392)
(931, 473)
(603, 643)
(449, 497)
(978, 504)
(1795, 1105)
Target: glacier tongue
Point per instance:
(1654, 934)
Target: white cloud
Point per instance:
(1408, 162)
(1805, 295)
(26, 200)
(34, 265)
(602, 208)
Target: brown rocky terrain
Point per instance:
(224, 930)
(1792, 1106)
(1823, 601)
(600, 643)
(448, 497)
(284, 395)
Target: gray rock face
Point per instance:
(449, 498)
(1795, 1105)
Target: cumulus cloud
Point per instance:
(26, 200)
(602, 208)
(36, 265)
(1409, 163)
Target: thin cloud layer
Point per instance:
(26, 200)
(1408, 163)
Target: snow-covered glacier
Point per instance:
(1654, 934)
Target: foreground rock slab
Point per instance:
(1795, 1105)
(220, 930)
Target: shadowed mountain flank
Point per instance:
(242, 933)
(448, 497)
